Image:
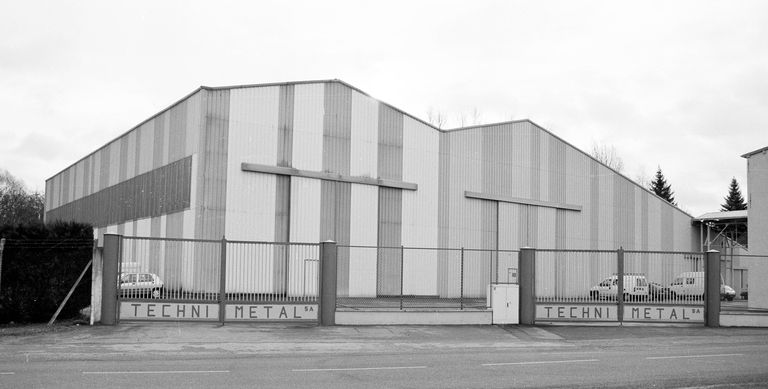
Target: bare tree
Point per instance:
(436, 118)
(17, 206)
(476, 116)
(608, 156)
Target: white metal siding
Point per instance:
(363, 232)
(421, 160)
(364, 136)
(308, 126)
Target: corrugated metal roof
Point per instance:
(747, 155)
(729, 215)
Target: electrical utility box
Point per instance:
(505, 303)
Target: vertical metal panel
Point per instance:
(251, 208)
(543, 170)
(534, 162)
(253, 128)
(305, 209)
(65, 187)
(130, 163)
(336, 128)
(421, 161)
(305, 219)
(282, 231)
(285, 126)
(252, 137)
(607, 208)
(177, 133)
(79, 179)
(363, 231)
(308, 113)
(335, 200)
(558, 170)
(654, 223)
(444, 184)
(390, 153)
(159, 142)
(115, 161)
(667, 228)
(364, 136)
(212, 168)
(390, 227)
(105, 157)
(594, 205)
(195, 122)
(145, 151)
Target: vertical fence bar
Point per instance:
(402, 266)
(223, 281)
(461, 296)
(620, 283)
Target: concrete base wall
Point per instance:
(413, 318)
(744, 320)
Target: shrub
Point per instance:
(40, 264)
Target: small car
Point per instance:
(141, 285)
(657, 291)
(727, 293)
(635, 288)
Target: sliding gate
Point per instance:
(619, 286)
(217, 280)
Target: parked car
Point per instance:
(691, 284)
(140, 285)
(727, 293)
(657, 291)
(635, 288)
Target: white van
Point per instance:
(635, 287)
(691, 284)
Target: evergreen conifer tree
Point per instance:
(734, 201)
(660, 186)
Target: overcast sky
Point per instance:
(680, 85)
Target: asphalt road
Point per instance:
(392, 357)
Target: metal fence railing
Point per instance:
(593, 276)
(413, 277)
(191, 270)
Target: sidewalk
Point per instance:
(195, 340)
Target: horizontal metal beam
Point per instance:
(287, 171)
(517, 200)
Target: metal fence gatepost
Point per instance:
(328, 283)
(223, 281)
(620, 283)
(461, 295)
(110, 279)
(402, 259)
(527, 285)
(712, 289)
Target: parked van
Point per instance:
(691, 284)
(635, 287)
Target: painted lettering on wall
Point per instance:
(664, 313)
(168, 311)
(575, 312)
(258, 312)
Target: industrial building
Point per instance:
(317, 160)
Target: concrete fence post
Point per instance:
(109, 280)
(328, 283)
(527, 283)
(712, 289)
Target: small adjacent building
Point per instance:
(757, 201)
